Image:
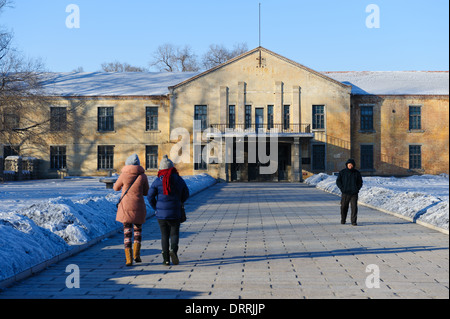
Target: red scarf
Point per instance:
(167, 173)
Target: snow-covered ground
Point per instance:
(41, 219)
(421, 198)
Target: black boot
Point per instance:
(166, 259)
(174, 257)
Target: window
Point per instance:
(10, 150)
(366, 156)
(318, 156)
(269, 116)
(259, 118)
(151, 118)
(105, 157)
(151, 155)
(286, 117)
(231, 116)
(58, 157)
(58, 119)
(318, 117)
(248, 116)
(367, 118)
(199, 163)
(201, 115)
(10, 120)
(105, 119)
(415, 118)
(415, 157)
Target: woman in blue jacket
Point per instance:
(167, 195)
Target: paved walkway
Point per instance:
(262, 240)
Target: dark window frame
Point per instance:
(231, 116)
(58, 157)
(201, 114)
(415, 156)
(318, 117)
(105, 119)
(286, 116)
(151, 157)
(366, 118)
(105, 157)
(151, 118)
(415, 117)
(248, 117)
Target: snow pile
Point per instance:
(36, 228)
(423, 198)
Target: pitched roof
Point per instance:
(322, 75)
(160, 83)
(395, 82)
(111, 83)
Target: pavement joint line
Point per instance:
(262, 248)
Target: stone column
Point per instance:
(296, 107)
(278, 107)
(296, 161)
(223, 109)
(240, 112)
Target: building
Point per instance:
(392, 123)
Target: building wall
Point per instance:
(82, 138)
(391, 135)
(275, 82)
(259, 81)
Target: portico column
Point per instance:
(278, 108)
(296, 161)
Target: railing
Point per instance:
(263, 128)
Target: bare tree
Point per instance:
(25, 114)
(120, 67)
(218, 54)
(5, 36)
(78, 69)
(187, 60)
(170, 58)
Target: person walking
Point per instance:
(131, 210)
(349, 182)
(167, 194)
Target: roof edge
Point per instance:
(171, 88)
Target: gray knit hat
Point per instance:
(165, 163)
(133, 160)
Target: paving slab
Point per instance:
(261, 241)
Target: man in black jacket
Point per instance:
(349, 182)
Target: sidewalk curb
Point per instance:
(5, 283)
(419, 222)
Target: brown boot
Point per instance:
(137, 252)
(129, 256)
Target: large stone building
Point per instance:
(392, 123)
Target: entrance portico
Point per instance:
(262, 154)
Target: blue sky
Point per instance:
(325, 35)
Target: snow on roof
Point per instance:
(394, 82)
(112, 83)
(157, 83)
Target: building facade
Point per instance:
(257, 117)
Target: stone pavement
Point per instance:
(262, 240)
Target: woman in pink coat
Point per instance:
(132, 209)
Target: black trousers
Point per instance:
(346, 201)
(170, 230)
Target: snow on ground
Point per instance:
(40, 219)
(424, 198)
